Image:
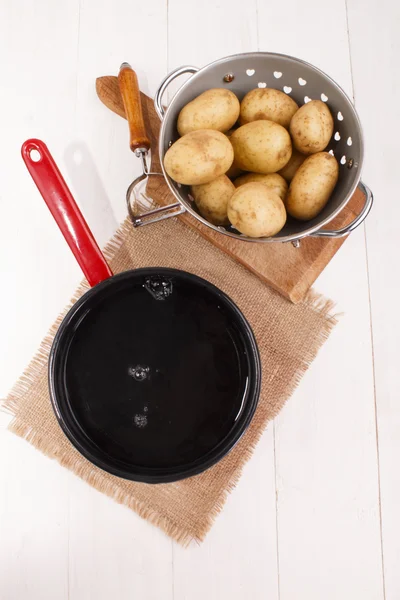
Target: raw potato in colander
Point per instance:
(273, 181)
(256, 211)
(268, 104)
(311, 127)
(233, 170)
(212, 199)
(214, 109)
(289, 170)
(261, 147)
(257, 153)
(199, 157)
(312, 186)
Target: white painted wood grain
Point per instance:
(375, 52)
(326, 466)
(327, 491)
(58, 537)
(38, 44)
(198, 37)
(113, 553)
(238, 559)
(34, 494)
(38, 65)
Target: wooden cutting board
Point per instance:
(291, 271)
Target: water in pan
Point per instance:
(157, 383)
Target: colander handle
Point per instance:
(338, 233)
(165, 83)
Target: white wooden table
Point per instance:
(316, 513)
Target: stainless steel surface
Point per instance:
(152, 216)
(139, 203)
(338, 233)
(139, 152)
(165, 83)
(302, 82)
(142, 154)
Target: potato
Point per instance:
(256, 211)
(291, 167)
(233, 170)
(212, 199)
(261, 147)
(311, 127)
(269, 104)
(273, 181)
(217, 108)
(199, 157)
(312, 186)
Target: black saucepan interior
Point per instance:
(154, 375)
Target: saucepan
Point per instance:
(303, 82)
(154, 373)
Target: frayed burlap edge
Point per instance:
(73, 461)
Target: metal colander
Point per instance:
(303, 82)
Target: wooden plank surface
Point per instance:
(34, 493)
(304, 521)
(378, 62)
(327, 488)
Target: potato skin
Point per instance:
(199, 157)
(273, 181)
(261, 147)
(212, 199)
(256, 211)
(289, 170)
(217, 109)
(312, 186)
(233, 170)
(267, 104)
(311, 127)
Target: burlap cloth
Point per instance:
(288, 336)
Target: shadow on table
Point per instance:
(90, 193)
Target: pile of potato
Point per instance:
(239, 175)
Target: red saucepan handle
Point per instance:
(62, 205)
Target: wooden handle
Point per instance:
(129, 87)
